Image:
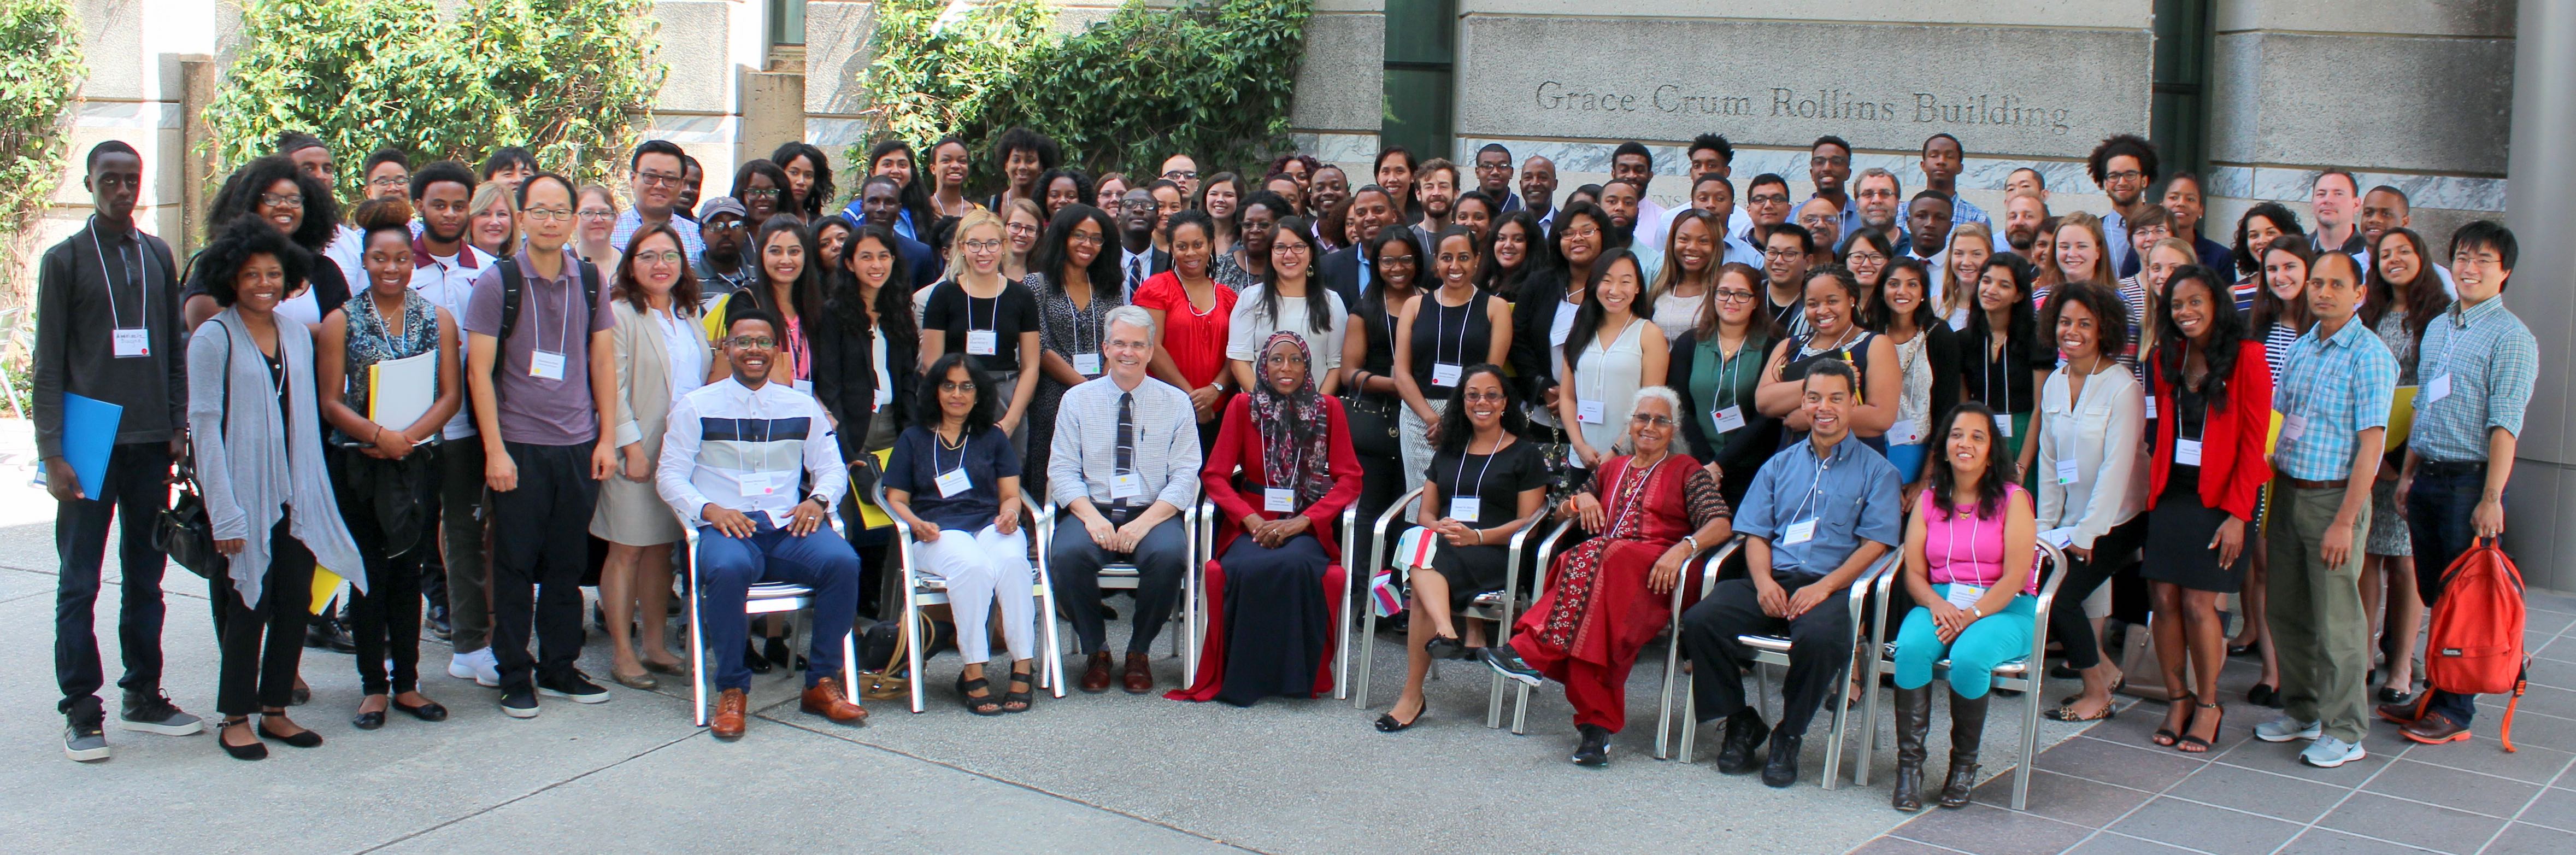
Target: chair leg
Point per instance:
(1664, 707)
(1341, 651)
(1520, 709)
(912, 650)
(697, 646)
(1841, 702)
(1368, 653)
(1493, 703)
(1869, 720)
(1053, 671)
(1690, 716)
(2029, 735)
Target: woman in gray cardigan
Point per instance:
(254, 428)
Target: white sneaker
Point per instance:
(2286, 729)
(2329, 752)
(480, 666)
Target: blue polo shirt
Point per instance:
(1850, 492)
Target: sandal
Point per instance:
(2190, 744)
(2067, 713)
(1019, 698)
(979, 705)
(2165, 736)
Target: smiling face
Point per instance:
(1191, 251)
(750, 346)
(1693, 246)
(1784, 260)
(1485, 399)
(1620, 285)
(1830, 166)
(1511, 244)
(1455, 263)
(259, 284)
(896, 164)
(1439, 191)
(1996, 289)
(2123, 180)
(2398, 261)
(2284, 275)
(1971, 439)
(2335, 199)
(2076, 253)
(1650, 426)
(1970, 254)
(1904, 290)
(2382, 210)
(2193, 308)
(1060, 192)
(1829, 307)
(1022, 166)
(282, 205)
(2260, 232)
(1290, 253)
(983, 248)
(872, 261)
(597, 216)
(1370, 211)
(1878, 202)
(957, 393)
(1397, 265)
(547, 218)
(1108, 192)
(1767, 204)
(2478, 271)
(760, 197)
(2079, 333)
(1127, 346)
(1865, 261)
(1396, 175)
(1024, 230)
(948, 165)
(1578, 239)
(1735, 297)
(1221, 199)
(1822, 220)
(1253, 235)
(2161, 263)
(1476, 214)
(1494, 173)
(658, 262)
(1327, 188)
(388, 263)
(782, 256)
(1284, 368)
(1825, 398)
(2182, 200)
(491, 226)
(1167, 201)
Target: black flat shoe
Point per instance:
(2263, 695)
(368, 720)
(753, 659)
(429, 711)
(306, 739)
(256, 750)
(2394, 696)
(301, 696)
(1443, 647)
(1386, 723)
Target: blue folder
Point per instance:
(89, 433)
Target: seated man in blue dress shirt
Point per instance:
(732, 459)
(1124, 464)
(1817, 515)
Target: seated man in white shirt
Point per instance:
(732, 460)
(1124, 463)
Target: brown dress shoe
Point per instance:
(1095, 675)
(731, 707)
(827, 699)
(1140, 674)
(2434, 729)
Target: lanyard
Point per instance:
(1479, 490)
(563, 333)
(143, 314)
(1821, 468)
(1440, 326)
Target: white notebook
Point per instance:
(400, 390)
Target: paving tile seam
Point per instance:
(2562, 769)
(848, 735)
(526, 795)
(2517, 817)
(2165, 843)
(2244, 768)
(2346, 798)
(1909, 840)
(2105, 828)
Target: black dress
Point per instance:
(1497, 481)
(2179, 527)
(1448, 335)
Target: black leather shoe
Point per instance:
(368, 720)
(1745, 733)
(753, 659)
(1594, 750)
(428, 711)
(326, 633)
(1781, 769)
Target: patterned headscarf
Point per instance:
(1294, 428)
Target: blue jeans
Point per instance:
(727, 568)
(1990, 641)
(2438, 513)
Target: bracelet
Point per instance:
(1974, 612)
(1480, 536)
(1693, 540)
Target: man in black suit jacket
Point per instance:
(1347, 271)
(880, 201)
(1137, 257)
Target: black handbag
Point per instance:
(184, 531)
(1373, 424)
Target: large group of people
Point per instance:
(1867, 380)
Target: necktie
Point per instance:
(1126, 457)
(1135, 277)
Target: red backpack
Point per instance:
(2475, 644)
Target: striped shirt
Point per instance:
(629, 221)
(747, 450)
(2492, 362)
(1083, 461)
(2331, 390)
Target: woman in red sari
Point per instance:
(1280, 473)
(1610, 595)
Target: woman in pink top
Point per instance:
(1968, 560)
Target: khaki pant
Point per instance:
(2318, 630)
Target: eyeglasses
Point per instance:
(967, 387)
(1084, 238)
(659, 179)
(389, 181)
(1735, 296)
(274, 200)
(1587, 232)
(665, 257)
(1782, 252)
(752, 342)
(1136, 205)
(983, 245)
(1026, 229)
(1291, 248)
(726, 226)
(2124, 175)
(1497, 397)
(595, 214)
(1644, 420)
(1181, 174)
(1768, 198)
(1395, 259)
(555, 214)
(761, 193)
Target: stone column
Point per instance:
(2540, 510)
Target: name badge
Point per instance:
(1904, 433)
(138, 342)
(2293, 427)
(1465, 508)
(1444, 374)
(980, 342)
(1964, 596)
(1085, 364)
(2151, 407)
(1277, 500)
(2439, 388)
(805, 386)
(545, 366)
(1799, 532)
(1728, 418)
(2003, 425)
(2187, 452)
(953, 482)
(2059, 537)
(1588, 411)
(759, 483)
(2066, 472)
(1126, 485)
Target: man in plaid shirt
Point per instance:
(2336, 387)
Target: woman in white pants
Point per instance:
(954, 480)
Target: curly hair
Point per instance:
(926, 412)
(235, 242)
(240, 194)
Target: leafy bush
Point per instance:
(40, 75)
(1210, 78)
(569, 79)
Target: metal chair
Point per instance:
(1773, 651)
(1497, 606)
(1205, 530)
(1707, 556)
(2022, 674)
(1125, 576)
(764, 598)
(921, 591)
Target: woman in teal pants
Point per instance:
(1968, 561)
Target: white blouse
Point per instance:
(1250, 327)
(2091, 468)
(686, 342)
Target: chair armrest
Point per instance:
(1705, 561)
(1377, 533)
(1873, 578)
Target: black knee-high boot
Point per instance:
(1913, 720)
(1967, 731)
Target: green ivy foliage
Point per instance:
(569, 79)
(1210, 78)
(40, 76)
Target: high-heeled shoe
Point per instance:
(256, 750)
